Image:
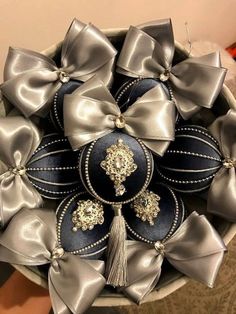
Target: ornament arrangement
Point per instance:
(123, 152)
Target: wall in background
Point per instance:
(37, 24)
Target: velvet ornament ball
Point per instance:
(53, 168)
(191, 161)
(155, 214)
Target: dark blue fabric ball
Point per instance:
(168, 220)
(53, 168)
(191, 161)
(89, 243)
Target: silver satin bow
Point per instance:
(19, 138)
(32, 79)
(148, 52)
(222, 192)
(91, 112)
(195, 249)
(30, 239)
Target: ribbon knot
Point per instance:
(32, 79)
(91, 112)
(222, 193)
(19, 138)
(148, 52)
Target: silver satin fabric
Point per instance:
(195, 249)
(19, 138)
(222, 193)
(148, 52)
(30, 239)
(32, 79)
(90, 113)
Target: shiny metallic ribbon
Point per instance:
(195, 249)
(19, 138)
(32, 79)
(148, 52)
(222, 193)
(30, 239)
(91, 112)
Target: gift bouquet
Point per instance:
(103, 146)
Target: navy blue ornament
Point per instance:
(191, 161)
(83, 225)
(155, 214)
(56, 112)
(116, 168)
(53, 168)
(131, 89)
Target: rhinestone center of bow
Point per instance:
(88, 214)
(58, 252)
(229, 163)
(146, 206)
(160, 248)
(165, 76)
(18, 170)
(120, 122)
(119, 164)
(64, 77)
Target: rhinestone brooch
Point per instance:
(146, 206)
(88, 214)
(119, 164)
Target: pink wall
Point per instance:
(37, 24)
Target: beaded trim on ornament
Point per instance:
(172, 228)
(90, 188)
(129, 84)
(59, 223)
(55, 111)
(195, 155)
(50, 169)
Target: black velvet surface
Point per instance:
(101, 183)
(170, 209)
(72, 241)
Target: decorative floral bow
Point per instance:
(32, 79)
(222, 193)
(148, 52)
(19, 138)
(195, 250)
(91, 112)
(30, 239)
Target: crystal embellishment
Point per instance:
(63, 77)
(119, 164)
(146, 206)
(165, 76)
(88, 214)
